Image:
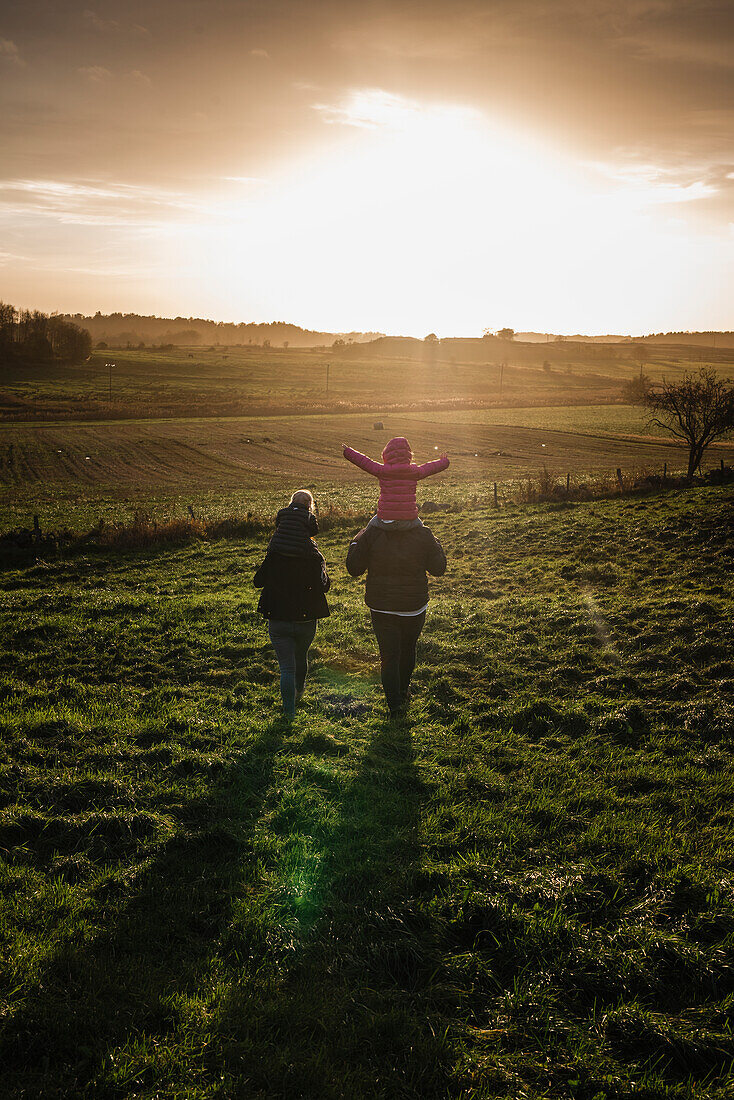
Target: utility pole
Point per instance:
(502, 376)
(327, 376)
(110, 366)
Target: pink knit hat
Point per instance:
(397, 452)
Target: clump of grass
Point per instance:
(546, 485)
(144, 531)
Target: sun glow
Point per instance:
(406, 218)
(431, 218)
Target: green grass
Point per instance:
(526, 890)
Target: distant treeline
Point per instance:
(699, 339)
(27, 336)
(121, 329)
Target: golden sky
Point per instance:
(563, 165)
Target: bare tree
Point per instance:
(635, 390)
(697, 411)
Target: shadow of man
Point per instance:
(353, 1013)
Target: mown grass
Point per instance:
(525, 890)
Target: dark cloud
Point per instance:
(9, 52)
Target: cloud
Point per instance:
(652, 185)
(12, 257)
(80, 202)
(139, 78)
(260, 53)
(10, 53)
(374, 108)
(369, 108)
(678, 46)
(94, 20)
(112, 26)
(95, 74)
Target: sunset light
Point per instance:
(434, 217)
(453, 173)
(366, 530)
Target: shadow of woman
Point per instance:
(354, 1012)
(116, 984)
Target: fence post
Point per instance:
(495, 495)
(665, 472)
(36, 529)
(722, 465)
(568, 484)
(619, 479)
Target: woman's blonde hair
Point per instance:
(303, 499)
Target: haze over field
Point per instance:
(559, 166)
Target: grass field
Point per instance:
(389, 375)
(73, 474)
(526, 890)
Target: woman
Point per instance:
(397, 555)
(292, 600)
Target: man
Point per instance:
(397, 555)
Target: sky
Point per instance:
(405, 167)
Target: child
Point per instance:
(294, 527)
(398, 475)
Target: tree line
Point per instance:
(121, 329)
(29, 336)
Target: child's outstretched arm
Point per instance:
(364, 463)
(434, 467)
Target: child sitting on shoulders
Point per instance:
(294, 527)
(398, 475)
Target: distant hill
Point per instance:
(549, 337)
(697, 339)
(490, 349)
(131, 328)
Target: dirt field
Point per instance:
(235, 462)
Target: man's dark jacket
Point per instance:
(293, 588)
(396, 562)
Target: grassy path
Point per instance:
(525, 890)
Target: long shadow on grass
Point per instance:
(354, 1011)
(102, 993)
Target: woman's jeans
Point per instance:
(397, 636)
(291, 642)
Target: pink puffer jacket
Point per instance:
(398, 477)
